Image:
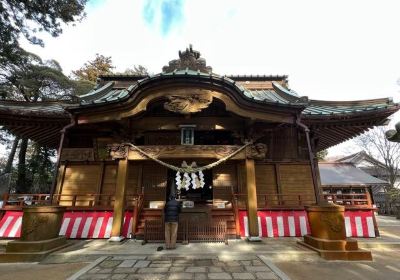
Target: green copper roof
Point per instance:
(107, 93)
(278, 95)
(313, 109)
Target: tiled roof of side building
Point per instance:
(23, 108)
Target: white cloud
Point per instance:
(333, 50)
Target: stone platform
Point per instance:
(31, 251)
(346, 250)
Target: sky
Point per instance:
(331, 50)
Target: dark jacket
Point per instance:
(171, 211)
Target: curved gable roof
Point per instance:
(278, 95)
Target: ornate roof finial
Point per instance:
(188, 59)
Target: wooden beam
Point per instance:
(119, 203)
(182, 151)
(100, 182)
(60, 177)
(251, 199)
(202, 123)
(45, 131)
(139, 189)
(278, 179)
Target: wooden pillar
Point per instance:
(251, 200)
(119, 203)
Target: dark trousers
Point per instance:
(171, 231)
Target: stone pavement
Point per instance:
(173, 267)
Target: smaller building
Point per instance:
(376, 169)
(344, 183)
(368, 164)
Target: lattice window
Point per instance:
(187, 134)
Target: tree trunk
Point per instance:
(21, 178)
(11, 156)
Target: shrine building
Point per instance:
(238, 151)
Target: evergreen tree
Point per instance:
(32, 80)
(321, 155)
(30, 17)
(40, 169)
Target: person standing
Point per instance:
(171, 219)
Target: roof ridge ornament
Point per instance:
(188, 59)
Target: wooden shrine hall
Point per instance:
(236, 150)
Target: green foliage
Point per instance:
(40, 169)
(394, 194)
(136, 70)
(30, 17)
(321, 155)
(82, 87)
(101, 65)
(32, 79)
(93, 68)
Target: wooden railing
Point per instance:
(137, 210)
(235, 208)
(202, 231)
(351, 200)
(70, 200)
(276, 200)
(359, 200)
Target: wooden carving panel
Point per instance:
(183, 151)
(188, 101)
(77, 154)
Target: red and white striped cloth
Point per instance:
(74, 225)
(270, 224)
(10, 224)
(277, 223)
(295, 223)
(359, 223)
